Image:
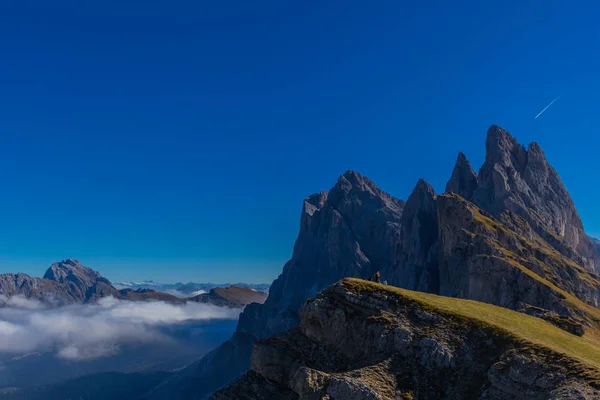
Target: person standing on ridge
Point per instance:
(377, 277)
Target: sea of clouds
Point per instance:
(83, 332)
(183, 295)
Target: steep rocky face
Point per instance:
(596, 243)
(363, 341)
(523, 182)
(351, 231)
(464, 179)
(482, 259)
(416, 265)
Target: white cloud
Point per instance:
(80, 332)
(20, 302)
(183, 295)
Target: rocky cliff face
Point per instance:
(416, 264)
(364, 341)
(509, 236)
(482, 259)
(350, 231)
(596, 243)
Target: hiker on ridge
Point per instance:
(377, 277)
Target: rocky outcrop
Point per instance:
(566, 323)
(359, 340)
(523, 182)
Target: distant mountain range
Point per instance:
(180, 289)
(70, 282)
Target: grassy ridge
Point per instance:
(521, 326)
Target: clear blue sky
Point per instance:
(176, 140)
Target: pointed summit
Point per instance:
(418, 269)
(523, 182)
(422, 192)
(464, 179)
(502, 148)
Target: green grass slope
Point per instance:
(528, 332)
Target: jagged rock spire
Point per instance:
(418, 268)
(464, 179)
(523, 182)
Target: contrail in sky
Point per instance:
(545, 108)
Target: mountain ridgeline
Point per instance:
(509, 236)
(70, 282)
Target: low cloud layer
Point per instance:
(80, 332)
(183, 295)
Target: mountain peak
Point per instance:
(352, 179)
(461, 159)
(419, 230)
(502, 148)
(71, 270)
(523, 182)
(423, 186)
(464, 179)
(354, 185)
(536, 157)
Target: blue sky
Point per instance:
(176, 140)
